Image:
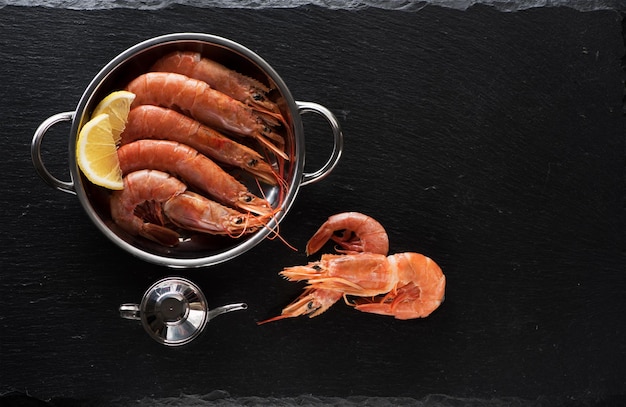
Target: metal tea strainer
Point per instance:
(174, 311)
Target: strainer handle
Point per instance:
(306, 107)
(130, 311)
(35, 152)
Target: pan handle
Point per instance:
(35, 152)
(306, 107)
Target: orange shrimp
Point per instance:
(357, 233)
(236, 85)
(154, 122)
(403, 285)
(169, 201)
(196, 169)
(209, 106)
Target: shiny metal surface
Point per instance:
(174, 311)
(310, 107)
(35, 151)
(134, 61)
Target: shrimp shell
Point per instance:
(403, 285)
(209, 106)
(196, 169)
(169, 201)
(360, 233)
(140, 187)
(234, 84)
(155, 122)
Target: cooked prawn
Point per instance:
(354, 232)
(196, 169)
(155, 122)
(236, 85)
(209, 106)
(171, 202)
(403, 285)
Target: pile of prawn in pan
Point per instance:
(402, 285)
(191, 122)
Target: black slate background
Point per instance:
(492, 142)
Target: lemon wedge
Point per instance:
(116, 105)
(96, 153)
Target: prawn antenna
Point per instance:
(272, 147)
(274, 232)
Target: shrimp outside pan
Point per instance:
(209, 106)
(234, 84)
(354, 232)
(194, 168)
(403, 285)
(155, 122)
(165, 200)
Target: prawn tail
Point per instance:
(318, 240)
(407, 302)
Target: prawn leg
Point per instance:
(405, 303)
